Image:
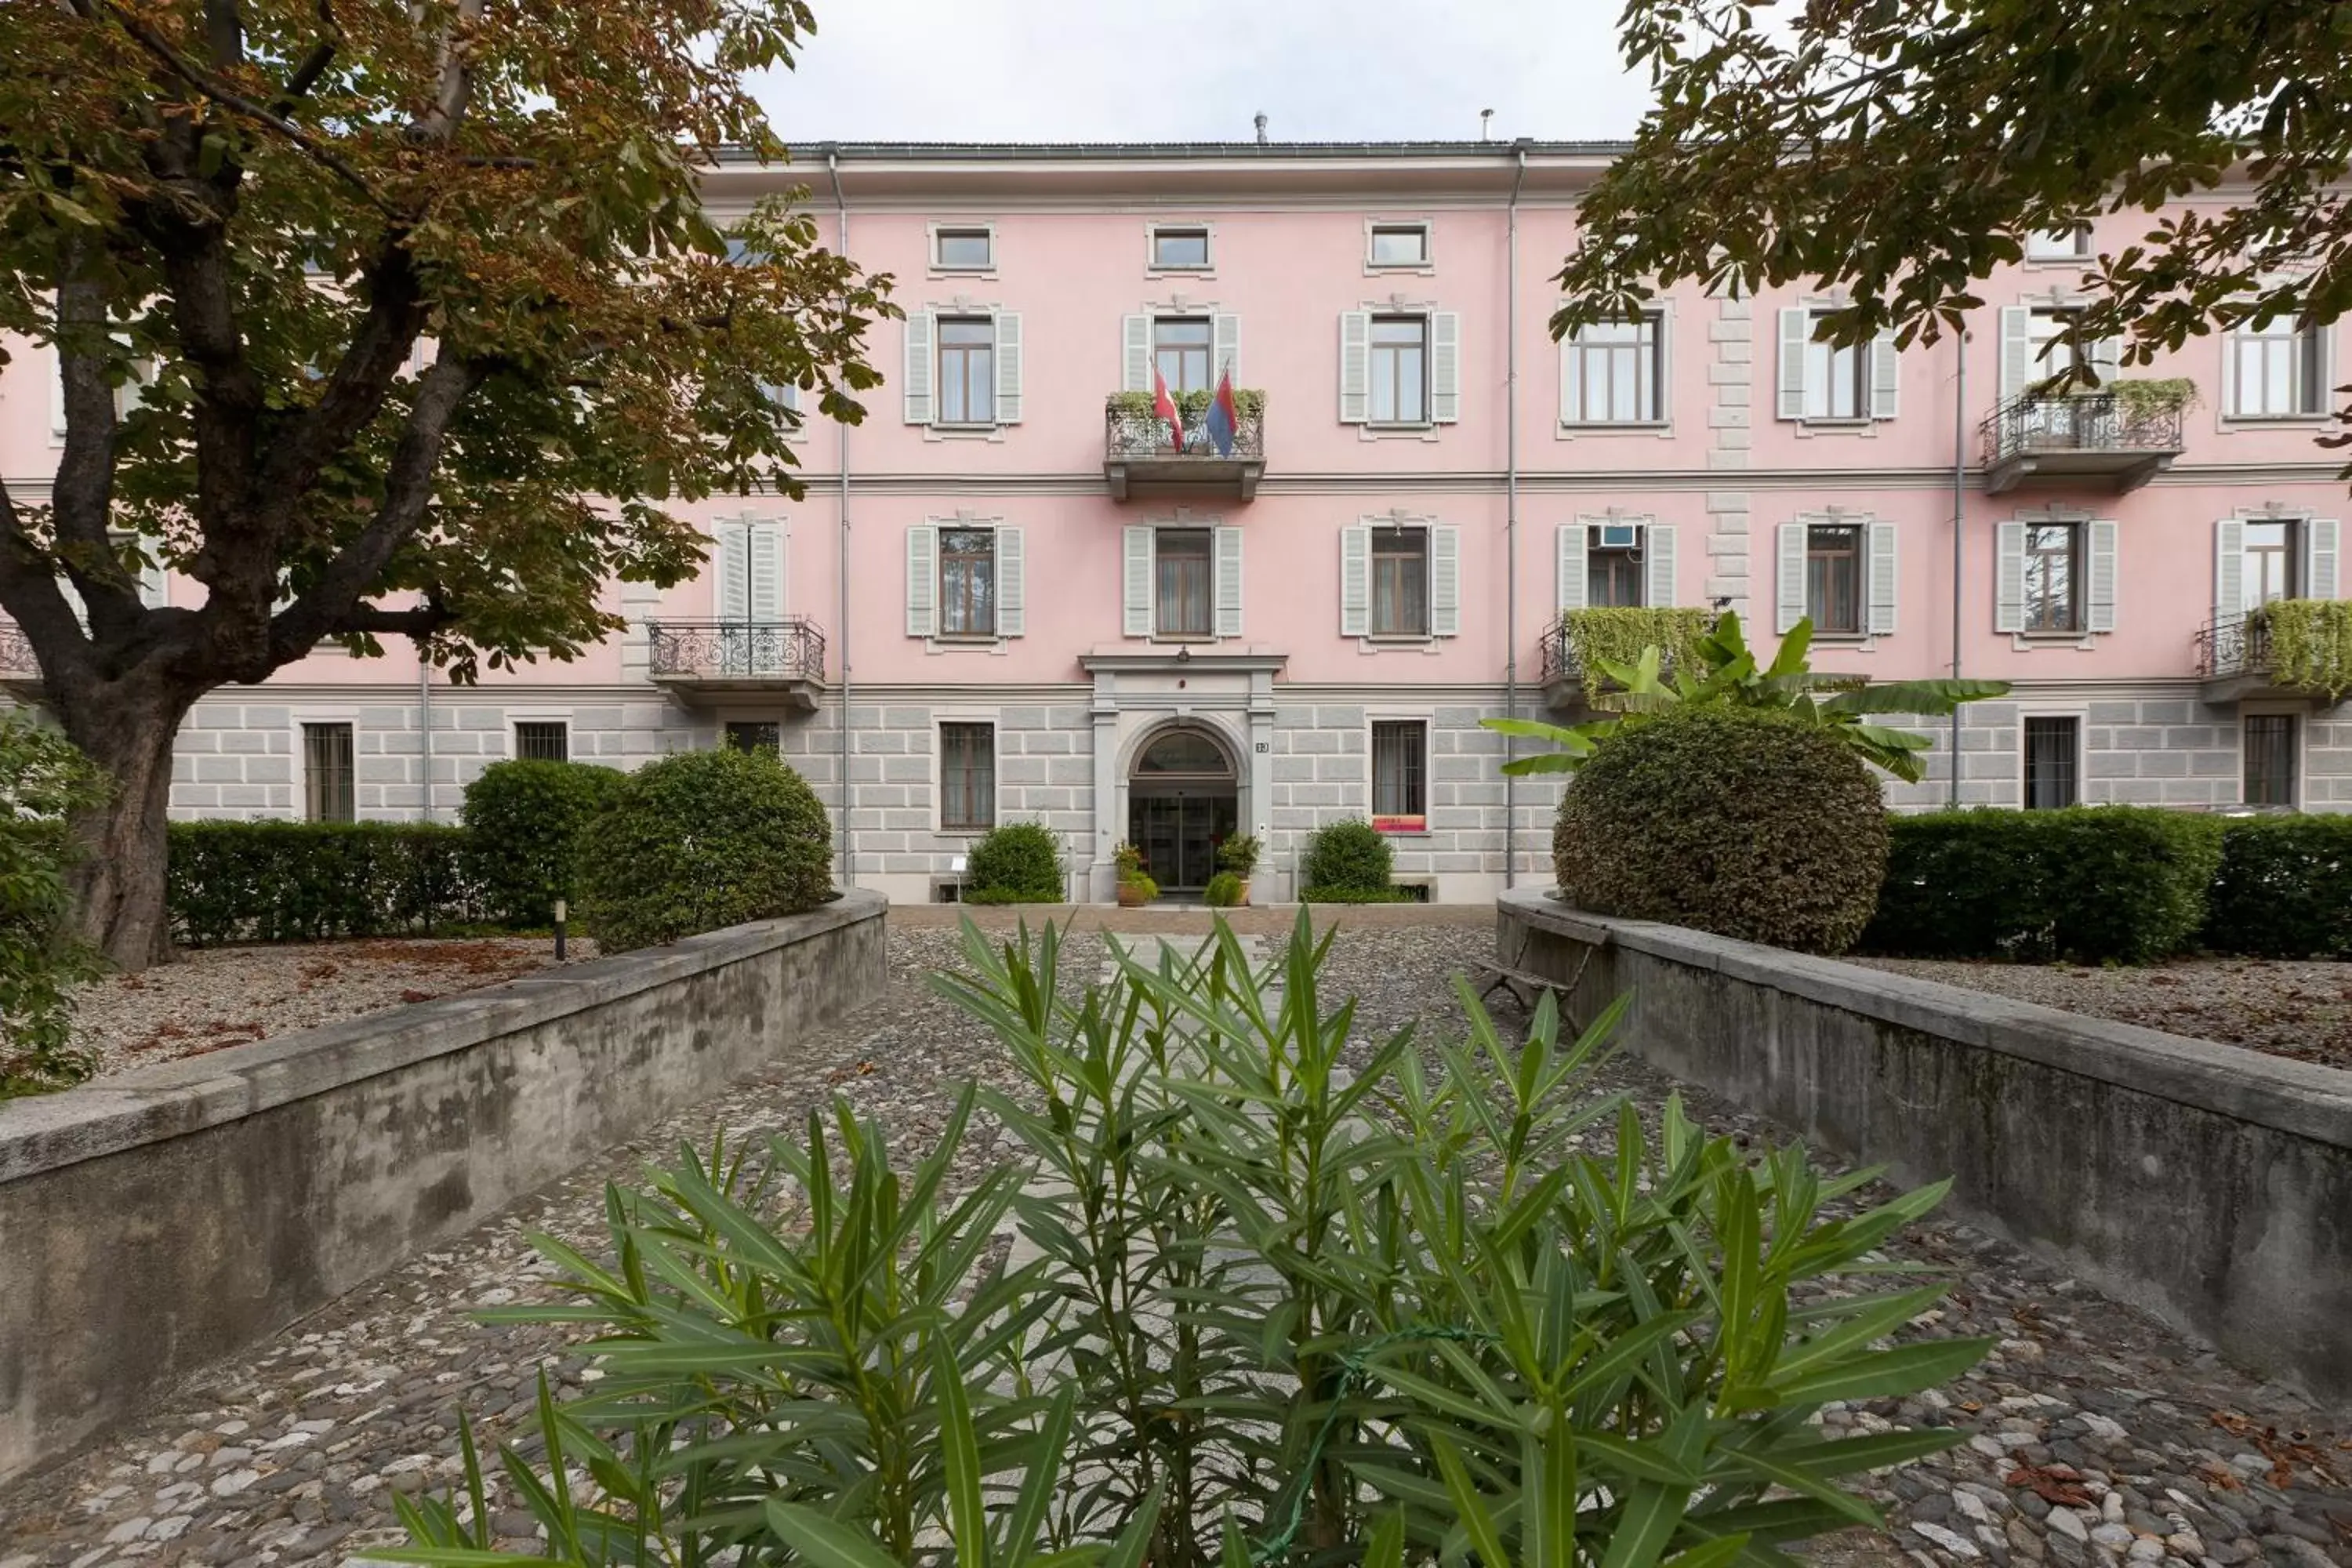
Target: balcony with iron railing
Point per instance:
(2291, 647)
(1617, 634)
(1142, 453)
(2101, 440)
(740, 662)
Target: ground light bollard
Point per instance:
(560, 909)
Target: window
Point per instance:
(1833, 577)
(1400, 362)
(967, 370)
(2050, 748)
(1400, 582)
(967, 778)
(1179, 250)
(2273, 554)
(755, 736)
(1617, 372)
(326, 781)
(2045, 356)
(1183, 596)
(1399, 245)
(964, 249)
(1837, 380)
(543, 742)
(1180, 351)
(2058, 244)
(1612, 566)
(2054, 592)
(1400, 775)
(2269, 756)
(2278, 371)
(968, 581)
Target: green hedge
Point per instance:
(2284, 889)
(526, 819)
(2094, 883)
(308, 881)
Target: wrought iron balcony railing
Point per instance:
(1130, 435)
(788, 649)
(2090, 422)
(2233, 645)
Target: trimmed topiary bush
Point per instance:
(701, 841)
(526, 818)
(1016, 863)
(2284, 889)
(1735, 821)
(2097, 883)
(1346, 856)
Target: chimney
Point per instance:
(1260, 118)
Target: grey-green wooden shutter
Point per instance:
(1012, 585)
(2018, 370)
(1796, 326)
(1658, 575)
(1008, 367)
(1135, 353)
(915, 382)
(1444, 367)
(1355, 366)
(1568, 558)
(1224, 347)
(1789, 584)
(1571, 381)
(1136, 581)
(1882, 578)
(1229, 581)
(766, 552)
(1355, 581)
(2229, 569)
(2099, 539)
(922, 581)
(1885, 376)
(731, 560)
(1444, 582)
(2009, 577)
(2320, 558)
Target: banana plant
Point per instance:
(1727, 674)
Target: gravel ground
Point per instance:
(2098, 1437)
(216, 997)
(2288, 1008)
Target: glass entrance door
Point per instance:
(1178, 832)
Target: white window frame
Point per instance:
(1151, 233)
(940, 227)
(2233, 409)
(1427, 722)
(1425, 268)
(1869, 355)
(2082, 752)
(1571, 426)
(2087, 524)
(1827, 354)
(2039, 254)
(525, 716)
(297, 770)
(935, 428)
(940, 719)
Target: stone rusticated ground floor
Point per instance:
(1264, 755)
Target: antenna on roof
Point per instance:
(1260, 119)
(1484, 116)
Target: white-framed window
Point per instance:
(965, 580)
(1837, 570)
(962, 367)
(2278, 371)
(1178, 247)
(2055, 575)
(542, 741)
(1615, 560)
(2272, 555)
(2059, 244)
(1614, 372)
(1182, 580)
(1400, 749)
(2052, 748)
(1190, 348)
(330, 772)
(1399, 367)
(967, 776)
(1825, 383)
(2032, 351)
(963, 248)
(1400, 579)
(1396, 246)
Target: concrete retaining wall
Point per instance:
(152, 1223)
(2209, 1184)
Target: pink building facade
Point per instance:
(1009, 595)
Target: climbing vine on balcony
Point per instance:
(2310, 644)
(1616, 634)
(2139, 398)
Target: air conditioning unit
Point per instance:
(1618, 536)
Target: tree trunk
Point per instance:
(118, 884)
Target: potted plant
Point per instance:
(1238, 854)
(1136, 888)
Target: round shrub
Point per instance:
(701, 841)
(1744, 823)
(1224, 891)
(1016, 863)
(524, 819)
(1348, 856)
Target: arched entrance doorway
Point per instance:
(1183, 801)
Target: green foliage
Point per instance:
(1017, 863)
(524, 819)
(2284, 889)
(1359, 896)
(1722, 673)
(2094, 883)
(312, 881)
(1608, 635)
(701, 841)
(1224, 891)
(43, 780)
(1282, 1305)
(1239, 854)
(1349, 856)
(1749, 824)
(1249, 402)
(1138, 885)
(2308, 644)
(2140, 397)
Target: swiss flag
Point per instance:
(1164, 407)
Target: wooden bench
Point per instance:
(1525, 986)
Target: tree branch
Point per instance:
(314, 64)
(29, 592)
(82, 491)
(457, 77)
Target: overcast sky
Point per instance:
(1077, 70)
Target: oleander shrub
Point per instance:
(1349, 856)
(43, 778)
(2094, 883)
(1733, 820)
(312, 881)
(1016, 863)
(2284, 889)
(701, 841)
(526, 818)
(1224, 891)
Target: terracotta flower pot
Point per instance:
(1133, 895)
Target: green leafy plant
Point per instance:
(1239, 854)
(1349, 856)
(2308, 644)
(2141, 397)
(1271, 1301)
(1017, 863)
(1249, 402)
(699, 841)
(1724, 673)
(1224, 891)
(314, 881)
(2283, 890)
(524, 819)
(44, 779)
(1613, 635)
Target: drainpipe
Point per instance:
(848, 836)
(1511, 512)
(1959, 512)
(425, 719)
